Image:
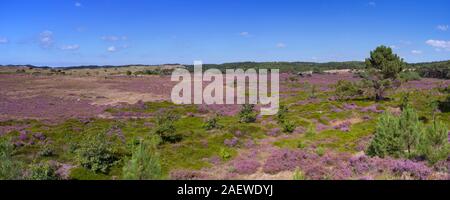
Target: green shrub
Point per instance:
(247, 114)
(409, 76)
(444, 105)
(388, 139)
(165, 127)
(10, 169)
(317, 70)
(346, 90)
(434, 143)
(320, 151)
(410, 129)
(298, 175)
(301, 145)
(281, 114)
(396, 135)
(43, 171)
(211, 124)
(405, 102)
(310, 131)
(224, 154)
(313, 92)
(288, 126)
(144, 163)
(47, 151)
(97, 153)
(405, 136)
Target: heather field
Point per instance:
(92, 126)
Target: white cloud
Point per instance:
(372, 4)
(244, 34)
(70, 47)
(77, 4)
(112, 49)
(417, 52)
(3, 40)
(113, 38)
(281, 45)
(46, 39)
(116, 48)
(439, 44)
(442, 27)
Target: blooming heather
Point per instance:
(188, 175)
(372, 108)
(274, 132)
(231, 142)
(241, 166)
(344, 127)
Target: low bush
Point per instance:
(247, 114)
(298, 175)
(406, 76)
(97, 153)
(47, 151)
(145, 162)
(165, 127)
(320, 151)
(10, 169)
(435, 143)
(211, 124)
(406, 136)
(225, 154)
(43, 171)
(288, 126)
(345, 90)
(388, 140)
(281, 114)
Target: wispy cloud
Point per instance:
(78, 4)
(416, 52)
(281, 45)
(46, 39)
(70, 47)
(439, 44)
(3, 40)
(115, 48)
(372, 4)
(442, 27)
(113, 38)
(244, 34)
(111, 49)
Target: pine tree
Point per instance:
(434, 143)
(410, 128)
(144, 163)
(388, 139)
(382, 70)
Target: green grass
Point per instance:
(331, 139)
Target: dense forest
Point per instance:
(440, 69)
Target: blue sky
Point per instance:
(77, 32)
